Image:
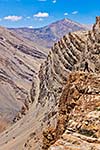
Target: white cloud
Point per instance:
(65, 14)
(41, 15)
(13, 18)
(74, 12)
(0, 19)
(30, 27)
(54, 1)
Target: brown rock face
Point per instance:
(79, 113)
(96, 27)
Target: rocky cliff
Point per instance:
(65, 96)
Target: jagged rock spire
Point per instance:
(96, 29)
(97, 24)
(98, 20)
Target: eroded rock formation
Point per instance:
(78, 114)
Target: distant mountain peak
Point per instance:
(49, 34)
(64, 20)
(67, 19)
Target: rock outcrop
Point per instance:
(78, 116)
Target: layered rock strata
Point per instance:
(78, 116)
(19, 63)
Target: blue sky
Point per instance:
(37, 13)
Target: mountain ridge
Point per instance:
(51, 33)
(54, 22)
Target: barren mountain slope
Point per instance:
(19, 63)
(47, 35)
(75, 52)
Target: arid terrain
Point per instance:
(56, 104)
(20, 61)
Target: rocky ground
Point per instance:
(78, 125)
